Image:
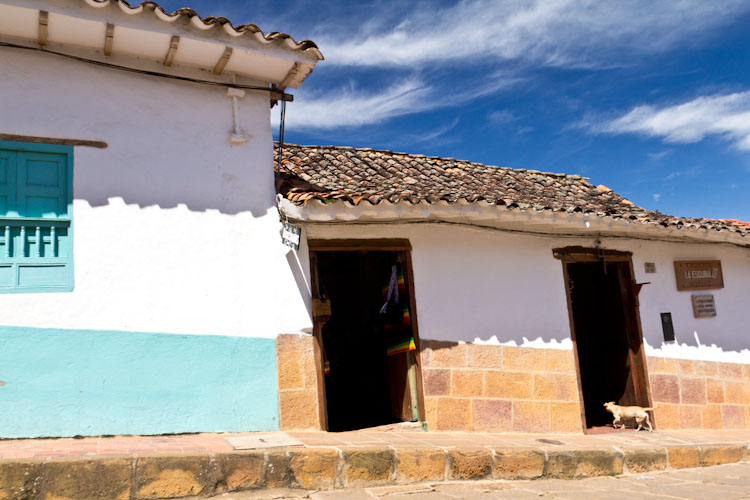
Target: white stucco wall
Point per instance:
(175, 230)
(478, 285)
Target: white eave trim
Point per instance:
(483, 214)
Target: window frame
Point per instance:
(68, 260)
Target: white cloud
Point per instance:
(656, 196)
(727, 116)
(579, 33)
(354, 107)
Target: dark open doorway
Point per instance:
(369, 337)
(606, 331)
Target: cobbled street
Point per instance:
(724, 482)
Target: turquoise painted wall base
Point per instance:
(88, 383)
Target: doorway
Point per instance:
(367, 332)
(606, 332)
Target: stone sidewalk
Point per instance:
(139, 467)
(723, 482)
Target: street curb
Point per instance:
(137, 477)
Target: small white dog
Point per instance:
(636, 412)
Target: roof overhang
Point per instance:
(485, 215)
(146, 36)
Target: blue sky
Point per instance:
(649, 98)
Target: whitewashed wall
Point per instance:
(175, 229)
(475, 285)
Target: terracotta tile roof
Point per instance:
(367, 175)
(208, 22)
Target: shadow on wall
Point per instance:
(237, 179)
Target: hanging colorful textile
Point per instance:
(395, 312)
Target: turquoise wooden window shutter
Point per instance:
(36, 223)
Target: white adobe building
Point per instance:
(141, 268)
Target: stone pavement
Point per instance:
(723, 482)
(138, 467)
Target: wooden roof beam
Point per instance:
(223, 61)
(173, 44)
(108, 39)
(43, 25)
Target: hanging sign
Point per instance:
(698, 274)
(290, 236)
(704, 306)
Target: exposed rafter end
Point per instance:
(173, 44)
(223, 61)
(43, 25)
(109, 39)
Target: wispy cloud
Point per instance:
(546, 32)
(660, 154)
(727, 116)
(656, 196)
(353, 107)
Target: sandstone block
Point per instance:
(693, 390)
(661, 365)
(310, 370)
(475, 464)
(686, 366)
(746, 373)
(485, 356)
(737, 392)
(711, 416)
(90, 479)
(509, 385)
(640, 460)
(557, 360)
(172, 476)
(555, 387)
(531, 416)
(430, 410)
(565, 417)
(706, 368)
(732, 417)
(437, 382)
(20, 480)
(683, 457)
(289, 369)
(448, 355)
(523, 358)
(560, 465)
(467, 383)
(491, 415)
(714, 391)
(239, 471)
(420, 465)
(591, 463)
(276, 471)
(690, 417)
(715, 455)
(367, 467)
(453, 414)
(665, 388)
(667, 416)
(518, 464)
(314, 468)
(289, 342)
(730, 371)
(298, 409)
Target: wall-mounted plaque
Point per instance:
(704, 306)
(650, 267)
(698, 274)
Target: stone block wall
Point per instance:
(690, 394)
(298, 382)
(470, 387)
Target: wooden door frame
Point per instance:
(577, 254)
(343, 245)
